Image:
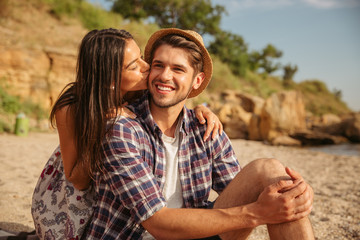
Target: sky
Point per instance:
(321, 37)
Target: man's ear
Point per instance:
(199, 78)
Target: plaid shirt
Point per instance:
(130, 187)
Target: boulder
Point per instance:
(329, 119)
(282, 114)
(250, 103)
(308, 137)
(352, 128)
(235, 120)
(254, 128)
(285, 141)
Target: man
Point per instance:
(158, 171)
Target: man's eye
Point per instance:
(179, 69)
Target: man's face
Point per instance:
(172, 77)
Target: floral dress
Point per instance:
(59, 210)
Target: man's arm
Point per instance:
(272, 206)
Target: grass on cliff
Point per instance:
(11, 105)
(91, 16)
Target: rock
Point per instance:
(235, 120)
(35, 73)
(254, 128)
(308, 137)
(282, 114)
(348, 127)
(285, 141)
(229, 96)
(330, 119)
(250, 103)
(352, 128)
(236, 130)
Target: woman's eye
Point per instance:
(133, 67)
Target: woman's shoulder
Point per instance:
(63, 116)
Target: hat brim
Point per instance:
(197, 39)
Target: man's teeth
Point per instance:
(164, 88)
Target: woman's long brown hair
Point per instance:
(95, 93)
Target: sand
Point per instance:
(335, 180)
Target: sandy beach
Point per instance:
(335, 179)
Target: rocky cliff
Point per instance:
(37, 51)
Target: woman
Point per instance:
(109, 69)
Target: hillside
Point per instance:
(38, 45)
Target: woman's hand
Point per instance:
(205, 115)
(125, 112)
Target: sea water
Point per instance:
(339, 149)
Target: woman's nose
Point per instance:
(145, 66)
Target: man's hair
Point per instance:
(176, 41)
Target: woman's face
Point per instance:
(135, 70)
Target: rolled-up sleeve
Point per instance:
(128, 175)
(225, 163)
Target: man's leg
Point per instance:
(247, 186)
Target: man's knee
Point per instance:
(267, 170)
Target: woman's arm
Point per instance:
(205, 115)
(74, 172)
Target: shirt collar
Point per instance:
(142, 109)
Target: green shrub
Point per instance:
(223, 78)
(313, 86)
(91, 17)
(319, 100)
(5, 127)
(9, 103)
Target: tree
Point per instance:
(269, 53)
(254, 60)
(231, 49)
(129, 9)
(337, 93)
(289, 72)
(198, 15)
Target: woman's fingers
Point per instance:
(205, 115)
(200, 116)
(127, 113)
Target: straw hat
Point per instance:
(190, 35)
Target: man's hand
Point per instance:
(284, 201)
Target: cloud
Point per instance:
(332, 3)
(237, 5)
(265, 4)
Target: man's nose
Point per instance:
(166, 74)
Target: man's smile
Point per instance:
(164, 88)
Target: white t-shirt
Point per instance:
(172, 188)
(172, 191)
